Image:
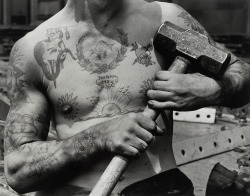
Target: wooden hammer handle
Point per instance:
(118, 164)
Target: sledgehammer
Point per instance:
(191, 48)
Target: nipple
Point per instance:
(67, 109)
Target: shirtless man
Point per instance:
(89, 69)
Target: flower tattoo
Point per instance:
(67, 106)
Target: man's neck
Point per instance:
(104, 5)
(101, 11)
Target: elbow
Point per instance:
(242, 103)
(238, 102)
(236, 98)
(13, 165)
(15, 184)
(243, 99)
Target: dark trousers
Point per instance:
(169, 183)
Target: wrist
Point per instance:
(83, 146)
(98, 139)
(226, 92)
(215, 97)
(208, 89)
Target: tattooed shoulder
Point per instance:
(51, 52)
(189, 21)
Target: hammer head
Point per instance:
(193, 46)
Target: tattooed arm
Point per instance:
(32, 163)
(193, 91)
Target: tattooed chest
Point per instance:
(98, 77)
(107, 95)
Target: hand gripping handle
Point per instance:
(118, 164)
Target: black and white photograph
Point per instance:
(124, 98)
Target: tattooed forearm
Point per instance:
(44, 158)
(83, 145)
(235, 85)
(41, 162)
(47, 155)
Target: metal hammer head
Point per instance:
(193, 46)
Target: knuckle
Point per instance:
(132, 116)
(158, 74)
(156, 84)
(131, 129)
(174, 88)
(119, 145)
(150, 138)
(153, 125)
(143, 147)
(151, 94)
(135, 154)
(127, 137)
(113, 149)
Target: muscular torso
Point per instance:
(92, 75)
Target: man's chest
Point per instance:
(95, 76)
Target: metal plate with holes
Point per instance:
(211, 144)
(204, 115)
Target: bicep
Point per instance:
(28, 123)
(29, 116)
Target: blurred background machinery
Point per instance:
(227, 21)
